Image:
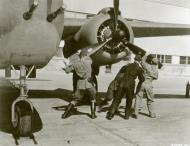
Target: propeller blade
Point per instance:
(135, 49)
(116, 12)
(97, 47)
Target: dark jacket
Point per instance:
(131, 72)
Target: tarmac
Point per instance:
(169, 128)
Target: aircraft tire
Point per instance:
(23, 121)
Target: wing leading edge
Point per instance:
(155, 29)
(140, 28)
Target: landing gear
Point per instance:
(31, 71)
(21, 111)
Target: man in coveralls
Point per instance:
(113, 86)
(84, 83)
(150, 73)
(127, 86)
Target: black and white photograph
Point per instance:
(95, 72)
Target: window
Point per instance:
(164, 58)
(182, 59)
(168, 59)
(188, 60)
(160, 58)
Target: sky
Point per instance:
(146, 10)
(136, 9)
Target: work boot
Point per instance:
(127, 114)
(109, 116)
(135, 116)
(93, 110)
(126, 117)
(67, 111)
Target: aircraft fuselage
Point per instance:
(28, 42)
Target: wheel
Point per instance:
(22, 126)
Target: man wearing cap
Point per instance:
(126, 86)
(149, 65)
(84, 83)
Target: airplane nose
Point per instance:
(34, 41)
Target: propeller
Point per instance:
(135, 49)
(113, 36)
(119, 34)
(116, 12)
(95, 48)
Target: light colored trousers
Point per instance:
(147, 90)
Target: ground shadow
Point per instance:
(73, 111)
(160, 96)
(144, 114)
(64, 94)
(103, 109)
(7, 96)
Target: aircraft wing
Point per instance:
(153, 29)
(71, 26)
(140, 28)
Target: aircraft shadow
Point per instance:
(73, 112)
(67, 95)
(160, 96)
(7, 96)
(58, 93)
(64, 94)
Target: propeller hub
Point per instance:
(106, 31)
(121, 34)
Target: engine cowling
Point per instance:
(100, 28)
